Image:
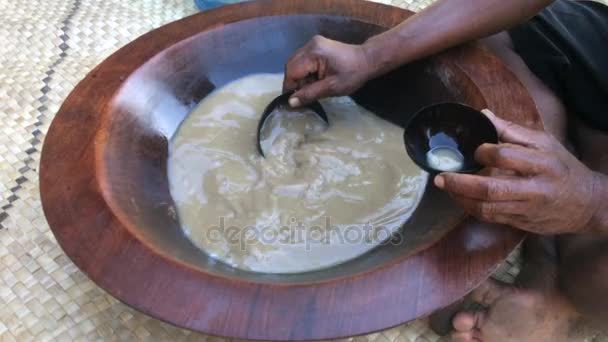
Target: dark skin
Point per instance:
(538, 194)
(342, 68)
(531, 182)
(547, 191)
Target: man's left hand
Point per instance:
(545, 189)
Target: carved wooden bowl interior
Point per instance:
(105, 191)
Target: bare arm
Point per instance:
(340, 68)
(444, 24)
(599, 221)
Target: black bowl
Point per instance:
(448, 125)
(282, 101)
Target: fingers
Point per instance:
(300, 66)
(298, 76)
(503, 200)
(513, 133)
(496, 212)
(512, 213)
(512, 157)
(312, 92)
(306, 65)
(484, 188)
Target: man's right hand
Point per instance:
(323, 68)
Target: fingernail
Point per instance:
(295, 102)
(439, 182)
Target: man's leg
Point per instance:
(551, 109)
(583, 262)
(537, 309)
(553, 115)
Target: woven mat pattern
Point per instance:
(46, 47)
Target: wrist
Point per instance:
(598, 224)
(378, 55)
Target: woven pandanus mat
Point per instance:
(46, 47)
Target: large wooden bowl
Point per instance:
(105, 193)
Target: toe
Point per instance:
(468, 321)
(488, 292)
(464, 321)
(462, 337)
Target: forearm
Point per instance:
(442, 25)
(599, 221)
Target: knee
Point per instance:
(583, 279)
(552, 110)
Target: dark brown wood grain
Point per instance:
(105, 195)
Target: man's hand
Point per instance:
(544, 190)
(325, 67)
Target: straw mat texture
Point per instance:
(46, 47)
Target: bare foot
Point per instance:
(515, 314)
(532, 311)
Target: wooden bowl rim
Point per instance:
(117, 68)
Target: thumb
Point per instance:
(312, 92)
(511, 132)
